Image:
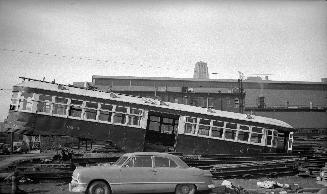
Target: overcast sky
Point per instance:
(72, 40)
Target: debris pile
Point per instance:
(313, 153)
(247, 166)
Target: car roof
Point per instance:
(149, 153)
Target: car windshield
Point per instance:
(121, 160)
(181, 163)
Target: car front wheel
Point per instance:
(99, 187)
(185, 189)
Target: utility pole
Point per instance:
(241, 91)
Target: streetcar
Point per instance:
(136, 124)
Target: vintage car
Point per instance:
(142, 172)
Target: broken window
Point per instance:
(230, 131)
(44, 104)
(243, 133)
(256, 135)
(204, 127)
(190, 125)
(217, 129)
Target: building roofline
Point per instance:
(203, 80)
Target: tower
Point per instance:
(201, 70)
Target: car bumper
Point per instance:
(211, 186)
(77, 187)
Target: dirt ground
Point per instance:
(61, 187)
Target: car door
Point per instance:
(168, 173)
(137, 175)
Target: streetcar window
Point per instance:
(256, 135)
(44, 104)
(27, 102)
(243, 136)
(243, 133)
(230, 131)
(105, 116)
(204, 127)
(190, 125)
(14, 101)
(76, 108)
(269, 137)
(105, 113)
(119, 118)
(134, 120)
(90, 110)
(90, 114)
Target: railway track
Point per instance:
(222, 167)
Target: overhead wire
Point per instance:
(97, 60)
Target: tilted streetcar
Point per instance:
(141, 124)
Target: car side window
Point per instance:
(164, 162)
(172, 164)
(142, 161)
(130, 163)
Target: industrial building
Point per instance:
(251, 95)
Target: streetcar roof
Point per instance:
(149, 102)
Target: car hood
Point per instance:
(94, 170)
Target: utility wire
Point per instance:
(87, 58)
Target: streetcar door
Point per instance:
(161, 132)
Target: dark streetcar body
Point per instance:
(141, 124)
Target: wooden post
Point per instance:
(12, 136)
(85, 144)
(14, 183)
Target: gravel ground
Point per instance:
(248, 184)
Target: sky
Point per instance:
(72, 40)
